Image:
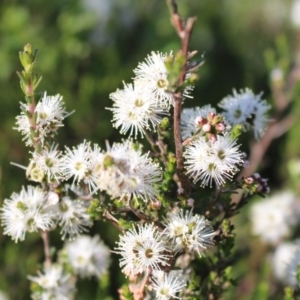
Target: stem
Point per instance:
(157, 144)
(112, 220)
(138, 290)
(184, 180)
(184, 31)
(46, 241)
(216, 197)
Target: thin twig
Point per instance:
(46, 241)
(258, 150)
(138, 290)
(157, 144)
(113, 220)
(216, 198)
(184, 31)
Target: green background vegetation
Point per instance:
(85, 54)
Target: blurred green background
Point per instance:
(88, 47)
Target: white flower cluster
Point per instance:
(49, 114)
(246, 109)
(33, 209)
(273, 218)
(121, 171)
(87, 256)
(145, 247)
(141, 106)
(208, 161)
(53, 284)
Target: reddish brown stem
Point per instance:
(184, 31)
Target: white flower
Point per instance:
(128, 173)
(295, 12)
(260, 120)
(246, 109)
(273, 217)
(48, 162)
(276, 75)
(50, 113)
(208, 161)
(167, 287)
(26, 211)
(3, 296)
(286, 261)
(54, 284)
(135, 109)
(76, 162)
(153, 74)
(84, 164)
(72, 217)
(88, 256)
(188, 232)
(189, 117)
(141, 248)
(23, 125)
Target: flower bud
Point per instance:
(211, 116)
(200, 121)
(206, 127)
(52, 198)
(212, 138)
(190, 202)
(249, 180)
(220, 127)
(155, 204)
(180, 191)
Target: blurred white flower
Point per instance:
(27, 211)
(276, 75)
(189, 118)
(272, 218)
(72, 217)
(213, 161)
(246, 109)
(88, 256)
(167, 287)
(3, 296)
(295, 13)
(127, 172)
(286, 261)
(54, 284)
(188, 232)
(135, 109)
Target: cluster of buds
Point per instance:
(211, 126)
(255, 184)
